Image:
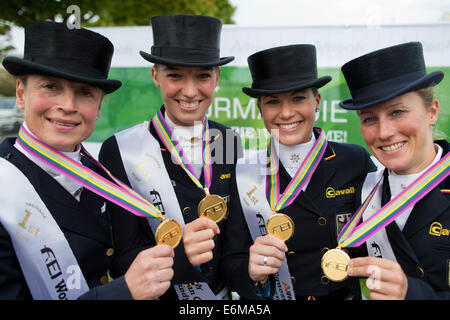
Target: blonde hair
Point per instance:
(428, 96)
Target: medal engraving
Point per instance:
(212, 207)
(281, 226)
(335, 264)
(168, 232)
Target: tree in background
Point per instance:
(96, 13)
(104, 13)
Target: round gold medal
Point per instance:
(281, 226)
(168, 232)
(213, 207)
(335, 264)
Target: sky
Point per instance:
(338, 12)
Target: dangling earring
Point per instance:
(317, 109)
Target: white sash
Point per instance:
(378, 245)
(47, 261)
(145, 169)
(251, 184)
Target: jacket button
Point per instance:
(293, 279)
(325, 249)
(420, 272)
(110, 252)
(186, 210)
(104, 280)
(291, 253)
(322, 221)
(324, 280)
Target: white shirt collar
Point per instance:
(292, 156)
(186, 135)
(71, 186)
(399, 182)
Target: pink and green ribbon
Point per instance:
(353, 235)
(299, 180)
(114, 191)
(172, 145)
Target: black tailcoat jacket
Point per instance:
(318, 214)
(422, 248)
(84, 225)
(188, 196)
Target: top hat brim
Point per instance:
(316, 83)
(428, 80)
(21, 67)
(173, 62)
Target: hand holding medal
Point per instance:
(335, 262)
(198, 234)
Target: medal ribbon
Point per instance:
(352, 236)
(165, 134)
(301, 177)
(116, 192)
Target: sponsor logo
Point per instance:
(225, 176)
(332, 193)
(437, 230)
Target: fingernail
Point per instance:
(350, 271)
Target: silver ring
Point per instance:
(265, 260)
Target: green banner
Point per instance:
(139, 99)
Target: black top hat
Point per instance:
(186, 40)
(78, 55)
(385, 74)
(284, 69)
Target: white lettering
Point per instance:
(244, 114)
(218, 108)
(74, 280)
(335, 111)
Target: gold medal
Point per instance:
(212, 207)
(335, 264)
(168, 232)
(281, 226)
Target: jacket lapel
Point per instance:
(426, 211)
(323, 174)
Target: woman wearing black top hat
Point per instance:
(186, 69)
(55, 236)
(316, 195)
(393, 96)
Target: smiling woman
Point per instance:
(60, 112)
(398, 132)
(187, 92)
(55, 230)
(307, 186)
(393, 95)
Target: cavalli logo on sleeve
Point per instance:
(332, 193)
(437, 230)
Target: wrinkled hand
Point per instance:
(266, 246)
(198, 240)
(386, 279)
(150, 273)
